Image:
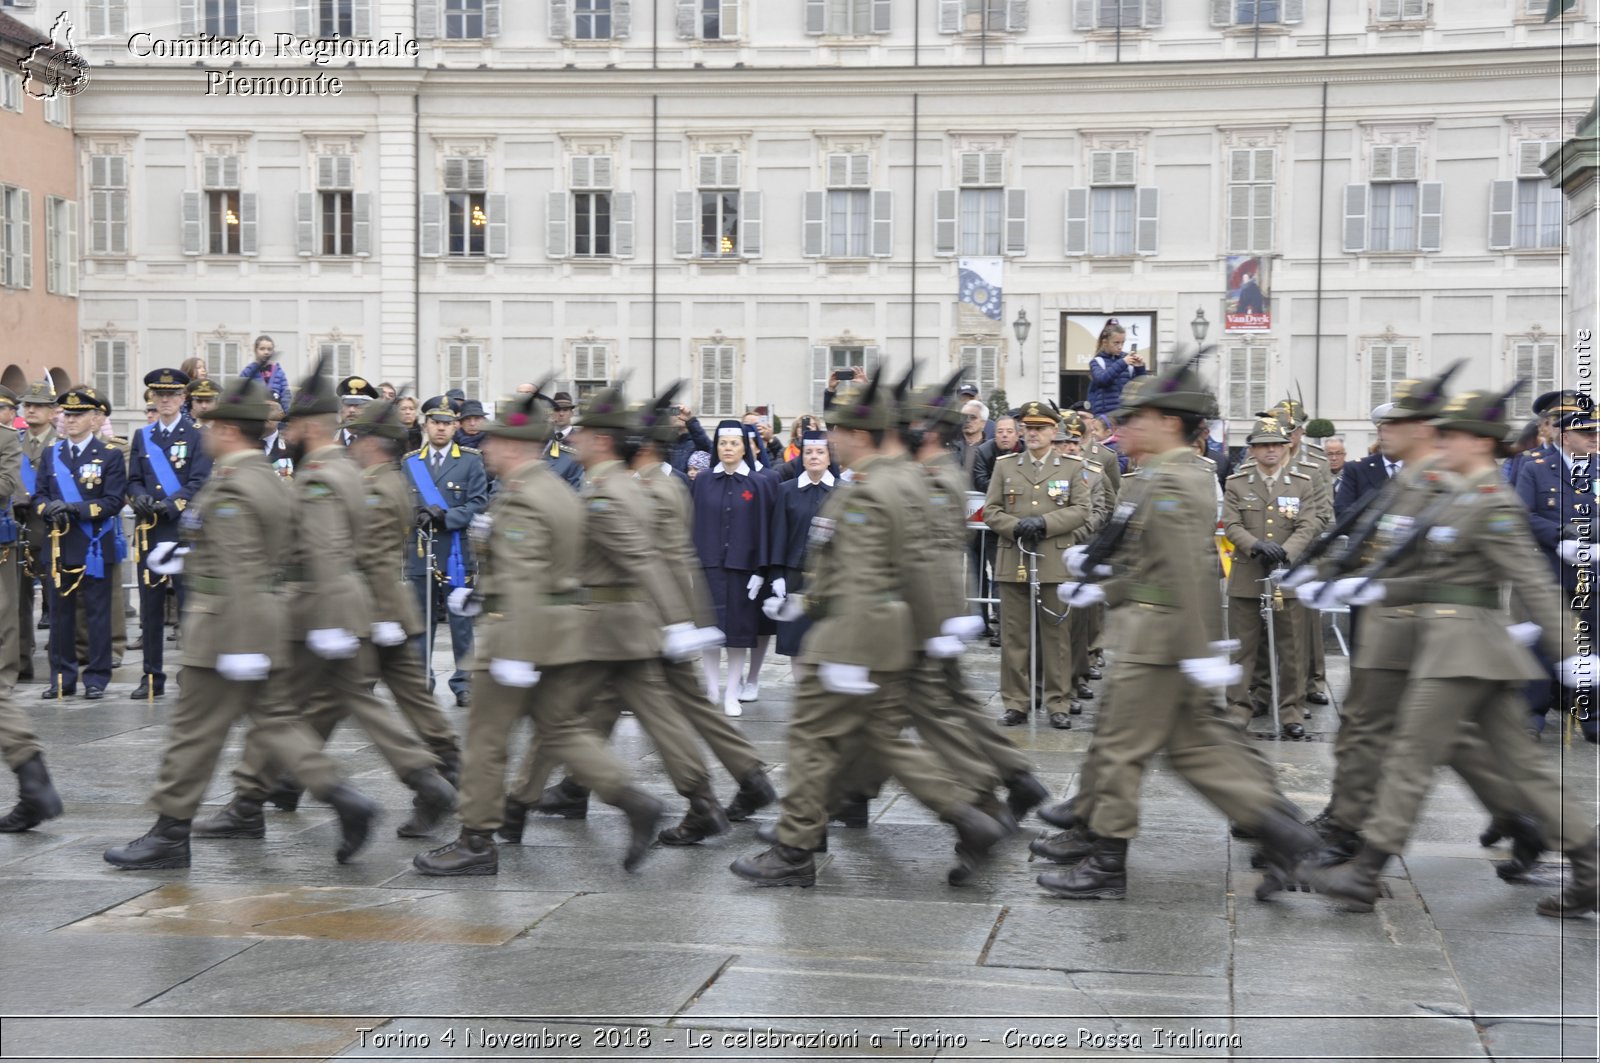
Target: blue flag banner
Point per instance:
(981, 281)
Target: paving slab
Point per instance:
(1106, 936)
(99, 973)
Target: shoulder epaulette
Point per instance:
(470, 450)
(416, 453)
(1094, 465)
(1302, 475)
(1208, 461)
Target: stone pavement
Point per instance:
(312, 960)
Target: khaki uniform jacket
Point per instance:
(1102, 500)
(672, 532)
(1109, 464)
(632, 594)
(385, 537)
(927, 589)
(947, 534)
(1312, 462)
(858, 561)
(36, 531)
(528, 573)
(328, 588)
(11, 478)
(1057, 492)
(239, 530)
(1253, 511)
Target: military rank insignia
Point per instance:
(90, 473)
(1289, 506)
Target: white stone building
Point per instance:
(748, 193)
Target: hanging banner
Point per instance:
(981, 280)
(1248, 307)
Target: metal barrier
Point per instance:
(975, 523)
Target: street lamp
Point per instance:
(1022, 326)
(1200, 326)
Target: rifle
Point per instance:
(1108, 538)
(1426, 521)
(1343, 526)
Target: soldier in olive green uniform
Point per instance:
(1036, 500)
(1468, 666)
(39, 409)
(11, 541)
(235, 641)
(530, 647)
(1083, 625)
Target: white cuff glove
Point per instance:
(753, 587)
(1073, 557)
(780, 588)
(1577, 671)
(388, 633)
(965, 627)
(1312, 593)
(785, 610)
(1081, 595)
(1525, 634)
(1357, 590)
(463, 602)
(165, 559)
(1211, 672)
(478, 531)
(708, 638)
(845, 678)
(941, 646)
(519, 674)
(679, 642)
(244, 667)
(1225, 648)
(1569, 550)
(1299, 576)
(333, 643)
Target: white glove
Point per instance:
(785, 610)
(1577, 671)
(1211, 672)
(845, 678)
(1225, 648)
(1073, 557)
(780, 588)
(388, 633)
(941, 646)
(462, 602)
(244, 667)
(1311, 593)
(478, 531)
(165, 559)
(753, 587)
(333, 643)
(519, 674)
(1081, 595)
(680, 642)
(965, 627)
(708, 638)
(1299, 576)
(1569, 550)
(1357, 590)
(1525, 634)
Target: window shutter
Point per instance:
(728, 28)
(499, 235)
(247, 18)
(1415, 9)
(949, 16)
(860, 170)
(1152, 13)
(188, 18)
(427, 19)
(1530, 153)
(247, 223)
(982, 364)
(882, 223)
(815, 240)
(945, 203)
(557, 209)
(621, 19)
(1100, 167)
(325, 177)
(994, 168)
(1125, 167)
(53, 265)
(1149, 207)
(1378, 367)
(730, 171)
(1294, 12)
(622, 227)
(869, 359)
(1016, 221)
(431, 226)
(816, 18)
(211, 172)
(1239, 382)
(591, 172)
(305, 223)
(1356, 198)
(363, 224)
(882, 15)
(455, 174)
(25, 205)
(1502, 214)
(1239, 228)
(1264, 209)
(491, 18)
(302, 18)
(1077, 236)
(1016, 16)
(194, 234)
(1407, 162)
(1222, 12)
(361, 22)
(971, 165)
(1083, 15)
(1389, 9)
(1430, 216)
(477, 174)
(344, 172)
(685, 217)
(819, 376)
(1383, 163)
(687, 22)
(750, 224)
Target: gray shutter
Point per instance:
(560, 20)
(305, 223)
(1077, 242)
(684, 217)
(361, 22)
(26, 199)
(816, 17)
(1502, 215)
(194, 224)
(1388, 9)
(621, 19)
(622, 227)
(945, 205)
(1430, 220)
(1294, 11)
(431, 226)
(1016, 15)
(750, 224)
(882, 223)
(819, 376)
(427, 19)
(247, 18)
(70, 266)
(815, 242)
(1148, 205)
(869, 359)
(1016, 221)
(1356, 198)
(363, 223)
(1153, 16)
(688, 24)
(188, 18)
(118, 22)
(949, 16)
(1083, 14)
(302, 18)
(248, 213)
(1222, 12)
(882, 15)
(491, 18)
(1238, 234)
(499, 237)
(558, 207)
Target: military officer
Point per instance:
(235, 653)
(203, 396)
(1084, 625)
(1267, 515)
(449, 488)
(1551, 409)
(354, 392)
(39, 411)
(11, 541)
(1037, 500)
(166, 469)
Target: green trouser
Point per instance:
(1316, 664)
(1078, 634)
(561, 727)
(403, 674)
(824, 727)
(18, 744)
(1429, 730)
(1096, 617)
(1246, 624)
(640, 687)
(208, 705)
(1054, 656)
(10, 628)
(327, 692)
(1158, 709)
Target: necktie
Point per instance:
(1390, 467)
(438, 460)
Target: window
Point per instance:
(10, 91)
(1540, 221)
(1527, 213)
(334, 206)
(108, 18)
(719, 379)
(109, 361)
(591, 20)
(983, 16)
(224, 355)
(341, 357)
(466, 205)
(222, 17)
(1250, 199)
(219, 219)
(593, 220)
(982, 363)
(1396, 211)
(1256, 12)
(464, 19)
(16, 237)
(223, 221)
(1116, 14)
(1402, 10)
(108, 205)
(1393, 225)
(713, 20)
(1386, 367)
(1247, 380)
(336, 18)
(981, 217)
(850, 219)
(981, 221)
(834, 358)
(463, 368)
(847, 18)
(61, 246)
(591, 206)
(58, 110)
(591, 363)
(1112, 217)
(1535, 361)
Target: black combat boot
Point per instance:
(513, 821)
(356, 813)
(1100, 876)
(768, 832)
(1582, 894)
(565, 799)
(1527, 846)
(781, 865)
(1060, 815)
(644, 815)
(1357, 884)
(37, 799)
(755, 793)
(165, 845)
(704, 819)
(450, 766)
(976, 834)
(1063, 847)
(1338, 844)
(239, 818)
(852, 812)
(1493, 834)
(150, 686)
(473, 853)
(435, 799)
(285, 797)
(1024, 794)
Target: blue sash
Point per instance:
(94, 563)
(159, 463)
(30, 476)
(455, 565)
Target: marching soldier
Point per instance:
(235, 652)
(1036, 501)
(166, 469)
(37, 799)
(11, 542)
(39, 411)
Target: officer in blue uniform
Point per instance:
(167, 466)
(1551, 408)
(80, 489)
(450, 487)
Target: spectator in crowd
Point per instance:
(974, 424)
(699, 462)
(150, 412)
(408, 416)
(386, 390)
(195, 369)
(267, 370)
(797, 432)
(968, 392)
(1110, 369)
(770, 450)
(1370, 472)
(1333, 447)
(1006, 440)
(692, 439)
(469, 431)
(561, 416)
